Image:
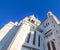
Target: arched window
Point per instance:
(48, 45)
(28, 38)
(32, 21)
(34, 39)
(39, 40)
(53, 45)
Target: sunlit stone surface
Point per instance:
(31, 34)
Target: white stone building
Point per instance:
(31, 34)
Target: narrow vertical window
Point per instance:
(39, 40)
(34, 39)
(28, 38)
(53, 45)
(48, 44)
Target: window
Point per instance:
(47, 24)
(53, 45)
(41, 30)
(34, 39)
(28, 38)
(39, 40)
(34, 49)
(48, 33)
(32, 21)
(57, 31)
(48, 45)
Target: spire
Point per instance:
(32, 16)
(50, 14)
(16, 23)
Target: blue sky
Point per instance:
(16, 10)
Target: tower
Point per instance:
(31, 34)
(22, 35)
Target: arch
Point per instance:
(28, 38)
(34, 39)
(48, 45)
(53, 45)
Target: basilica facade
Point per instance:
(31, 34)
